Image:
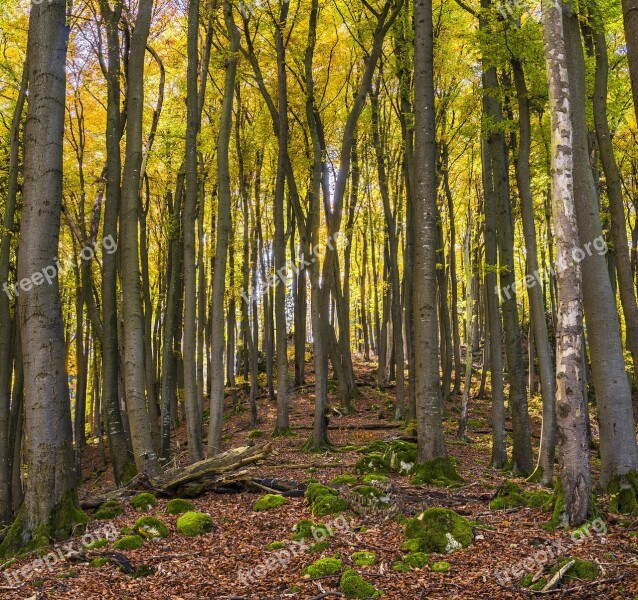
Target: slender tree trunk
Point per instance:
(223, 233)
(133, 316)
(573, 466)
(431, 442)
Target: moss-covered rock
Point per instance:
(353, 585)
(268, 502)
(195, 523)
(401, 456)
(344, 479)
(581, 569)
(316, 490)
(150, 528)
(375, 462)
(97, 544)
(144, 502)
(374, 478)
(99, 562)
(371, 496)
(362, 559)
(109, 510)
(319, 547)
(324, 566)
(275, 545)
(511, 495)
(440, 472)
(441, 567)
(416, 560)
(129, 542)
(178, 506)
(622, 492)
(437, 530)
(328, 505)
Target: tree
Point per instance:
(573, 497)
(50, 507)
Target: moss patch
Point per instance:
(129, 542)
(344, 479)
(144, 502)
(440, 472)
(580, 570)
(195, 523)
(97, 544)
(109, 510)
(362, 559)
(622, 492)
(511, 495)
(324, 567)
(437, 530)
(375, 462)
(368, 495)
(150, 528)
(275, 546)
(268, 502)
(352, 585)
(441, 567)
(178, 506)
(98, 562)
(372, 478)
(324, 500)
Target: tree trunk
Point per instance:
(573, 454)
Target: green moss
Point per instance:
(622, 492)
(195, 523)
(144, 502)
(437, 530)
(440, 472)
(372, 496)
(328, 505)
(511, 495)
(129, 542)
(372, 478)
(319, 547)
(375, 462)
(128, 472)
(324, 567)
(581, 569)
(68, 518)
(178, 506)
(441, 567)
(344, 479)
(127, 531)
(256, 433)
(275, 546)
(362, 559)
(97, 544)
(109, 510)
(316, 490)
(416, 560)
(401, 456)
(352, 585)
(142, 571)
(303, 529)
(98, 562)
(150, 527)
(268, 502)
(400, 567)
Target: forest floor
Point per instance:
(209, 566)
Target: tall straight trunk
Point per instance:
(191, 400)
(538, 325)
(522, 457)
(630, 19)
(118, 450)
(471, 317)
(16, 432)
(282, 425)
(614, 188)
(573, 454)
(393, 256)
(499, 449)
(223, 233)
(50, 508)
(6, 322)
(618, 449)
(169, 383)
(145, 456)
(431, 442)
(444, 313)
